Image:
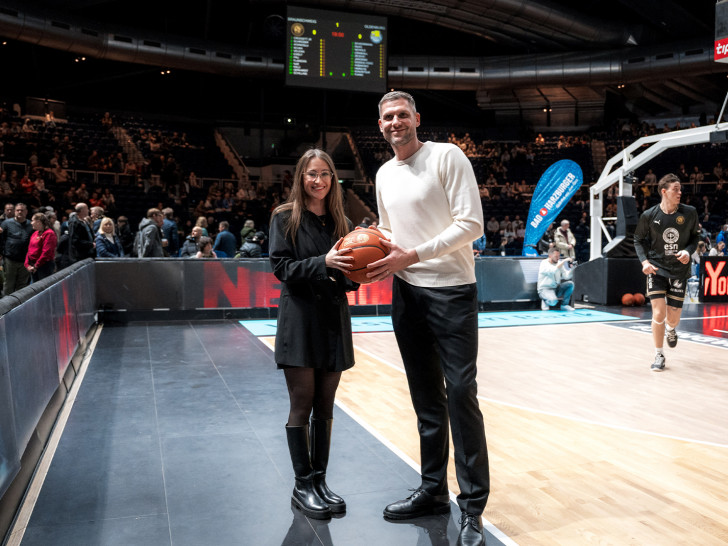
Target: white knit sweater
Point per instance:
(430, 202)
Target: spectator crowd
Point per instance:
(156, 205)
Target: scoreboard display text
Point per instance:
(335, 50)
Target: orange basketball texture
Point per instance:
(366, 247)
(639, 299)
(628, 299)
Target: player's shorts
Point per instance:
(663, 287)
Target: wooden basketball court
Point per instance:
(586, 444)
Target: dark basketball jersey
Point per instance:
(659, 237)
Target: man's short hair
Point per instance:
(168, 212)
(554, 249)
(396, 95)
(153, 212)
(564, 221)
(665, 181)
(223, 225)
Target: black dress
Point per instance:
(314, 323)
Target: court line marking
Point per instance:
(569, 417)
(681, 318)
(22, 518)
(685, 335)
(492, 529)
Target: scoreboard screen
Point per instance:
(720, 53)
(335, 50)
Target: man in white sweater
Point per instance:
(429, 204)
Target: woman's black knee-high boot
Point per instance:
(304, 496)
(320, 446)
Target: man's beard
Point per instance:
(400, 140)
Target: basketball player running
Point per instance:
(428, 200)
(666, 236)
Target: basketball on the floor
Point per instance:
(628, 299)
(639, 299)
(366, 247)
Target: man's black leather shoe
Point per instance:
(419, 503)
(471, 531)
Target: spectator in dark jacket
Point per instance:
(125, 235)
(170, 232)
(81, 243)
(225, 241)
(191, 245)
(108, 244)
(14, 241)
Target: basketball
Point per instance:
(639, 299)
(366, 247)
(628, 299)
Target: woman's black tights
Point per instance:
(310, 390)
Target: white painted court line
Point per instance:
(492, 529)
(20, 524)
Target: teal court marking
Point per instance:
(358, 325)
(534, 318)
(260, 328)
(485, 320)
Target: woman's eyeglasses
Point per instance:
(313, 175)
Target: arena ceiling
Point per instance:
(654, 57)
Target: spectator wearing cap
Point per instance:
(252, 247)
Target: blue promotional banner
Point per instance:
(557, 185)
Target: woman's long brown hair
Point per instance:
(296, 202)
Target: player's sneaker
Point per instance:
(671, 338)
(566, 307)
(544, 306)
(659, 364)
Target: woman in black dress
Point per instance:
(313, 339)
